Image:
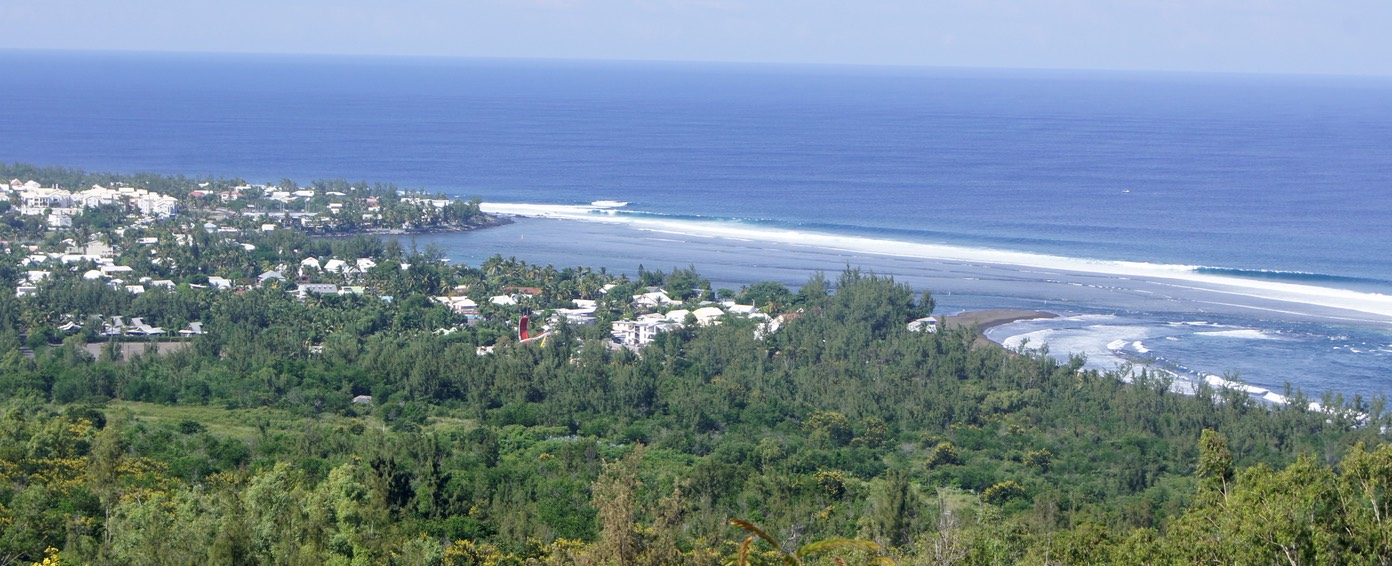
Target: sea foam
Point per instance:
(1178, 276)
(1246, 334)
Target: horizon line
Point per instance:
(722, 62)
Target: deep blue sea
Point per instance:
(1211, 224)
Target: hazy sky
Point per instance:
(1284, 36)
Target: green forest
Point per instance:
(841, 438)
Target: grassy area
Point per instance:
(240, 423)
(442, 424)
(247, 423)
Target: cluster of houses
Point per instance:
(459, 302)
(662, 313)
(369, 208)
(642, 330)
(315, 276)
(97, 252)
(633, 333)
(118, 326)
(59, 206)
(137, 327)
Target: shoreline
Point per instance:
(991, 318)
(984, 320)
(495, 221)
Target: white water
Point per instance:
(1355, 304)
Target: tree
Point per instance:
(1215, 467)
(614, 498)
(828, 428)
(894, 510)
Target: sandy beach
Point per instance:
(987, 319)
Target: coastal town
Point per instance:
(138, 241)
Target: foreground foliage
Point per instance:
(842, 425)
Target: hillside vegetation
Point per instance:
(246, 449)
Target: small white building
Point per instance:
(575, 317)
(708, 316)
(268, 276)
(138, 326)
(745, 310)
(652, 299)
(925, 324)
(306, 289)
(461, 305)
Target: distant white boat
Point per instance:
(609, 203)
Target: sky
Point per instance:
(1254, 36)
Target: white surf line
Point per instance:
(1368, 303)
(1278, 311)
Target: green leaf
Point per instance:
(748, 526)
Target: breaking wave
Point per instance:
(1239, 285)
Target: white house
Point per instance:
(335, 266)
(461, 305)
(743, 309)
(267, 276)
(116, 328)
(575, 317)
(318, 289)
(925, 324)
(138, 326)
(707, 316)
(640, 332)
(652, 299)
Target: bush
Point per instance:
(188, 426)
(943, 454)
(1003, 492)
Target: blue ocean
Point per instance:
(1237, 226)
